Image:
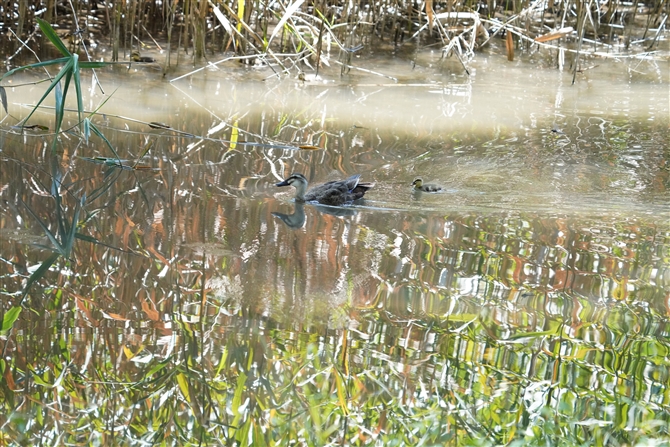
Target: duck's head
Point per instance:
(294, 180)
(417, 182)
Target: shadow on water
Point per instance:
(527, 303)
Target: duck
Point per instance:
(428, 187)
(335, 193)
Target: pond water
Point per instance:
(526, 303)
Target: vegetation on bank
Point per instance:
(299, 35)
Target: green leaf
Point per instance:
(50, 34)
(10, 317)
(52, 237)
(110, 178)
(84, 237)
(65, 70)
(3, 98)
(77, 85)
(35, 65)
(156, 368)
(39, 273)
(92, 64)
(101, 135)
(58, 105)
(183, 386)
(70, 236)
(87, 129)
(60, 111)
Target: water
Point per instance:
(526, 303)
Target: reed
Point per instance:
(299, 29)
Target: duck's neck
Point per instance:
(300, 190)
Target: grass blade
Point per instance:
(36, 65)
(110, 178)
(92, 240)
(39, 273)
(77, 84)
(287, 15)
(56, 179)
(70, 236)
(65, 70)
(60, 112)
(92, 64)
(58, 103)
(87, 129)
(50, 235)
(109, 145)
(3, 98)
(50, 34)
(225, 22)
(9, 318)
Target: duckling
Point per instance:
(428, 187)
(135, 57)
(333, 193)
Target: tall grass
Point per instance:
(308, 30)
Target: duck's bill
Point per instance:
(284, 183)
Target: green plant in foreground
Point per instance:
(62, 240)
(68, 72)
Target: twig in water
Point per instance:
(365, 70)
(210, 64)
(152, 38)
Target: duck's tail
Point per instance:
(364, 186)
(359, 191)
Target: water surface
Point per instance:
(527, 302)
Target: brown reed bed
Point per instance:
(292, 36)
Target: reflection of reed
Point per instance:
(458, 325)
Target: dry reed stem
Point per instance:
(244, 25)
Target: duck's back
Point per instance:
(338, 192)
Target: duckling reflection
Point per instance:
(298, 218)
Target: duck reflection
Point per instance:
(297, 218)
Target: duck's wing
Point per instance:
(319, 191)
(338, 192)
(331, 193)
(349, 184)
(330, 190)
